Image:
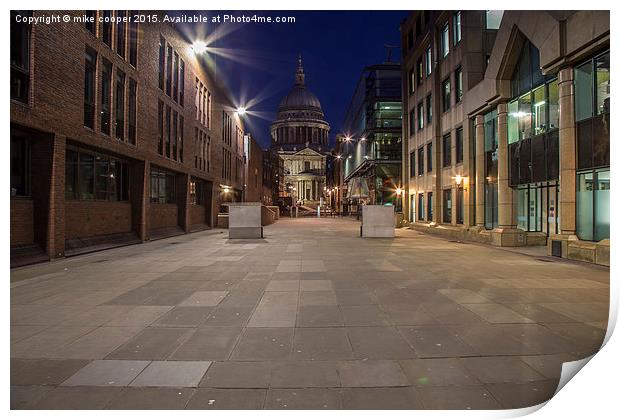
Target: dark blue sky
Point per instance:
(335, 46)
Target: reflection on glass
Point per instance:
(525, 116)
(540, 111)
(494, 18)
(513, 122)
(602, 84)
(554, 105)
(583, 91)
(585, 202)
(601, 206)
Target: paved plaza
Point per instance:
(310, 317)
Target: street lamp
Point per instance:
(241, 111)
(199, 47)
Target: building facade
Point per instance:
(507, 128)
(371, 146)
(253, 178)
(119, 133)
(273, 172)
(300, 136)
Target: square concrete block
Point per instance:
(172, 374)
(244, 221)
(377, 221)
(107, 373)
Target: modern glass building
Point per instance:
(370, 147)
(506, 141)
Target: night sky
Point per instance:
(335, 46)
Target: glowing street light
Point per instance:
(399, 191)
(241, 111)
(199, 47)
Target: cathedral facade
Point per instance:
(300, 136)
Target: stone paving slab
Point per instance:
(107, 373)
(171, 374)
(310, 317)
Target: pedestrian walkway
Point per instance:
(310, 317)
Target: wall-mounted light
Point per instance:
(241, 111)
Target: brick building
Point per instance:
(119, 134)
(506, 128)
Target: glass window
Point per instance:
(539, 108)
(131, 111)
(420, 116)
(445, 91)
(583, 91)
(90, 66)
(106, 28)
(175, 77)
(162, 187)
(490, 131)
(593, 205)
(494, 18)
(133, 43)
(585, 206)
(456, 27)
(421, 206)
(554, 105)
(459, 205)
(447, 206)
(86, 176)
(120, 105)
(20, 58)
(182, 83)
(429, 217)
(106, 95)
(446, 150)
(411, 81)
(459, 145)
(102, 174)
(525, 116)
(429, 61)
(602, 83)
(421, 161)
(458, 80)
(169, 71)
(411, 122)
(162, 61)
(71, 174)
(175, 126)
(120, 33)
(429, 157)
(168, 129)
(419, 71)
(602, 205)
(513, 121)
(20, 166)
(91, 20)
(445, 40)
(429, 109)
(412, 164)
(160, 127)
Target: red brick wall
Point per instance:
(92, 218)
(22, 225)
(55, 110)
(197, 214)
(163, 215)
(254, 182)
